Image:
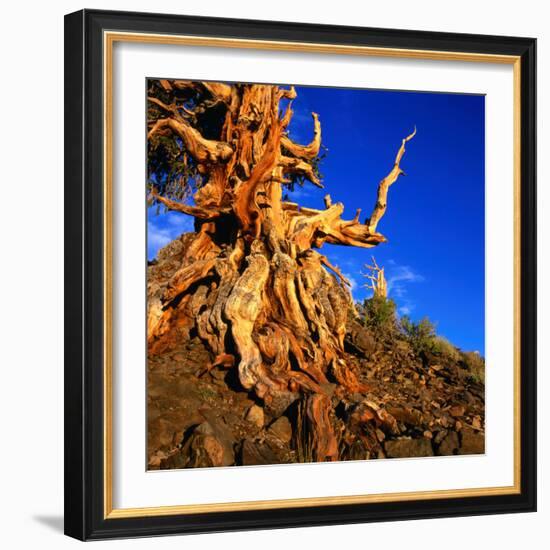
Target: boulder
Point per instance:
(472, 443)
(206, 451)
(358, 451)
(208, 446)
(359, 339)
(449, 445)
(476, 423)
(255, 453)
(255, 415)
(407, 448)
(457, 410)
(440, 436)
(279, 403)
(407, 415)
(281, 430)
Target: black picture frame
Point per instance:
(84, 280)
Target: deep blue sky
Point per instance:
(434, 257)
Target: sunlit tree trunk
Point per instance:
(252, 283)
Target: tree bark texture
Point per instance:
(251, 282)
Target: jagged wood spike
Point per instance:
(309, 151)
(377, 278)
(383, 187)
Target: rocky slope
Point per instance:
(413, 405)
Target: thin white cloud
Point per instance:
(302, 115)
(158, 237)
(352, 280)
(399, 278)
(181, 221)
(163, 229)
(301, 192)
(401, 274)
(301, 124)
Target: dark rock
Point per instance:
(472, 443)
(253, 454)
(469, 398)
(407, 415)
(457, 410)
(281, 429)
(218, 374)
(173, 462)
(446, 421)
(202, 421)
(358, 451)
(206, 451)
(405, 448)
(440, 436)
(429, 358)
(211, 444)
(449, 445)
(280, 403)
(359, 339)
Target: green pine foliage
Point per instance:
(474, 363)
(379, 314)
(420, 335)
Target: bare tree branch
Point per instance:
(336, 270)
(287, 94)
(203, 150)
(309, 151)
(384, 185)
(300, 167)
(311, 227)
(195, 211)
(377, 278)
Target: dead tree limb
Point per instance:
(250, 283)
(384, 185)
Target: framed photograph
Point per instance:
(300, 274)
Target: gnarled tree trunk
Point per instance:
(252, 283)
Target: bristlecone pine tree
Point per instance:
(376, 280)
(252, 283)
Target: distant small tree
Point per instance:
(379, 314)
(376, 279)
